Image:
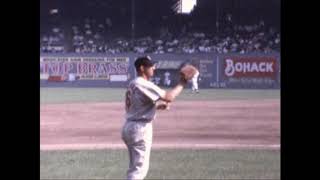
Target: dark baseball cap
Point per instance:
(144, 61)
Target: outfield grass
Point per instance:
(165, 164)
(78, 95)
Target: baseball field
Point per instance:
(217, 134)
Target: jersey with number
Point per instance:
(141, 97)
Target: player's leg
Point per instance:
(137, 169)
(127, 140)
(147, 139)
(139, 147)
(196, 86)
(193, 84)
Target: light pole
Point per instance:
(132, 20)
(217, 17)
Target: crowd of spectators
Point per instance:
(92, 36)
(53, 41)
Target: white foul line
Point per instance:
(158, 146)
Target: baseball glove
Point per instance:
(187, 72)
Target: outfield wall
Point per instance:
(258, 71)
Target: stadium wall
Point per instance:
(247, 71)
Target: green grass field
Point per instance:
(164, 164)
(74, 95)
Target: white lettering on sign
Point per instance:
(229, 71)
(254, 68)
(269, 67)
(261, 67)
(247, 67)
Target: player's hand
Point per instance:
(187, 72)
(183, 81)
(163, 106)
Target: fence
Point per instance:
(216, 70)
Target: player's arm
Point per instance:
(155, 93)
(170, 95)
(187, 71)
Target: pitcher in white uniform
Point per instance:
(143, 98)
(194, 82)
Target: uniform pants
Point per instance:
(138, 138)
(194, 81)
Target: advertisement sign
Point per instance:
(249, 71)
(85, 68)
(254, 67)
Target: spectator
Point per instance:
(93, 38)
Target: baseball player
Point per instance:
(143, 98)
(194, 82)
(167, 80)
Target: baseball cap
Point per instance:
(144, 61)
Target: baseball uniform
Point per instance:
(141, 97)
(194, 81)
(167, 80)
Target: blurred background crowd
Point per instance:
(215, 26)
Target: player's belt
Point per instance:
(141, 120)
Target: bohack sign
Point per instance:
(250, 67)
